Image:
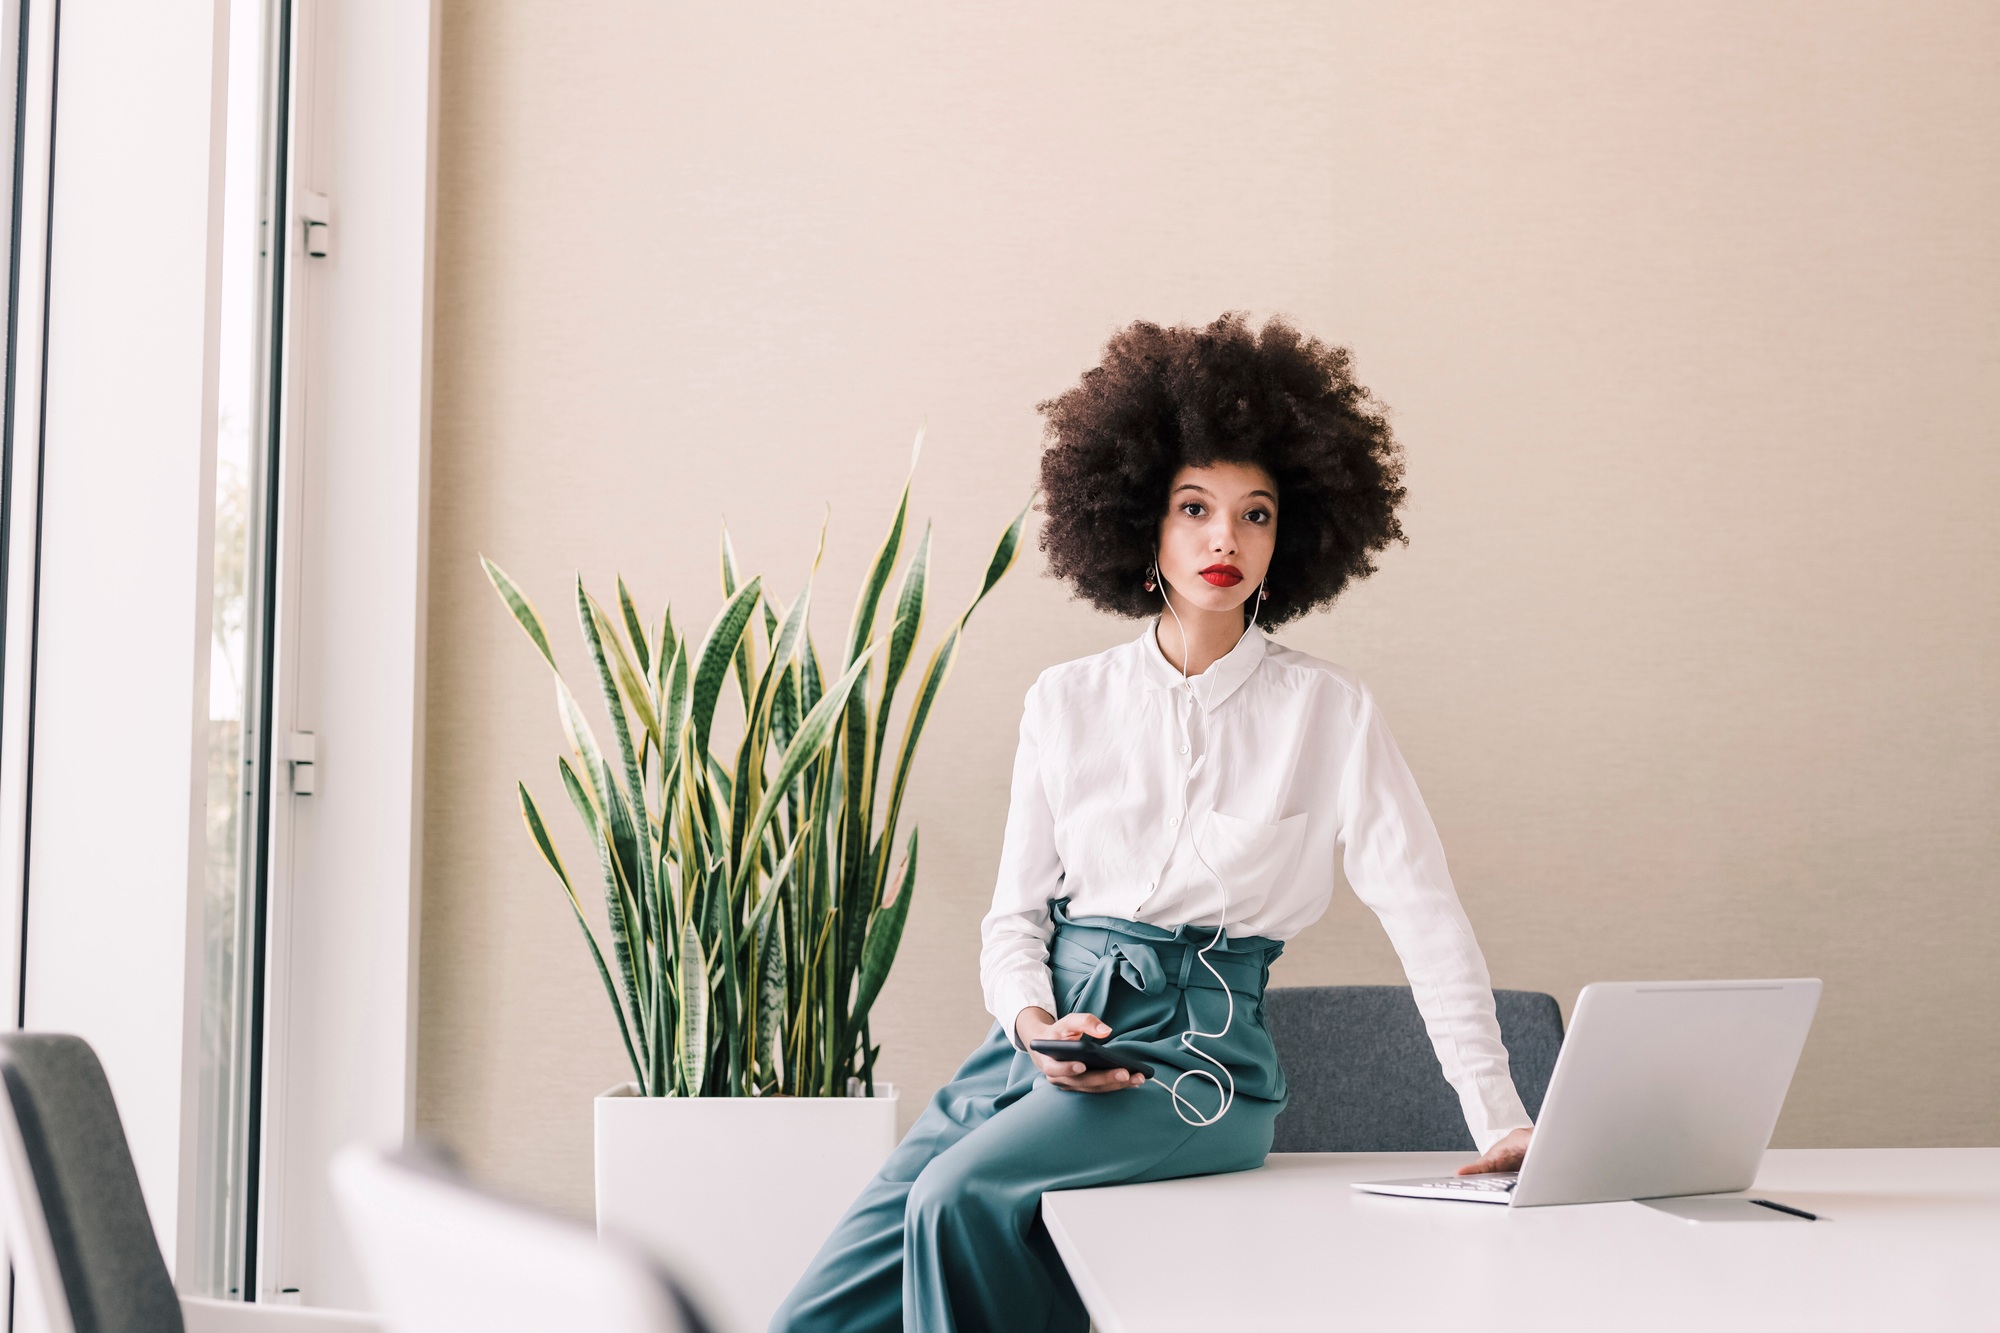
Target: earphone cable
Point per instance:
(1226, 1084)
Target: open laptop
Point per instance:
(1661, 1088)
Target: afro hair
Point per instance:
(1167, 398)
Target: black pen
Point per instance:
(1787, 1208)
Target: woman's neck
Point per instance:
(1208, 634)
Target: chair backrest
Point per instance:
(440, 1255)
(76, 1222)
(1363, 1075)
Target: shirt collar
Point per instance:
(1211, 686)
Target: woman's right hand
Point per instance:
(1036, 1024)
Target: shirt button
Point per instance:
(1175, 821)
(1184, 749)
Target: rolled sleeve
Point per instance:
(1395, 864)
(1014, 936)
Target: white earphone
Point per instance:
(1226, 1084)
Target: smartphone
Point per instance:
(1092, 1055)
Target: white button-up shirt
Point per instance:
(1268, 767)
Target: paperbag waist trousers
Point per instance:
(948, 1235)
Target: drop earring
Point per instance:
(1152, 576)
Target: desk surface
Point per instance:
(1909, 1240)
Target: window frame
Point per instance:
(343, 899)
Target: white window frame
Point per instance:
(37, 106)
(343, 900)
(341, 991)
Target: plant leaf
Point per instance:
(885, 933)
(674, 718)
(812, 682)
(747, 785)
(673, 730)
(771, 990)
(862, 627)
(523, 609)
(936, 672)
(635, 628)
(722, 956)
(746, 651)
(803, 750)
(614, 900)
(903, 630)
(537, 830)
(605, 641)
(785, 708)
(694, 1012)
(718, 652)
(1003, 558)
(631, 833)
(663, 645)
(773, 891)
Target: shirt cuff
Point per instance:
(1493, 1111)
(1016, 994)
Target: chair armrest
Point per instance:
(200, 1315)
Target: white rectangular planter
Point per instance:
(736, 1194)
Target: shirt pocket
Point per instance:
(1253, 860)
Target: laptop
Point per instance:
(1661, 1088)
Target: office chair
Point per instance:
(441, 1256)
(85, 1257)
(1363, 1076)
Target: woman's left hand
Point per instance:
(1505, 1155)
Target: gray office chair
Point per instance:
(1363, 1076)
(76, 1217)
(85, 1257)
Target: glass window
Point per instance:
(240, 751)
(13, 46)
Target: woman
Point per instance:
(1179, 804)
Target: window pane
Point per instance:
(239, 666)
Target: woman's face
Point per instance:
(1219, 531)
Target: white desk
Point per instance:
(1910, 1240)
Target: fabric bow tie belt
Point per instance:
(1150, 958)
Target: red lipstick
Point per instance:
(1223, 576)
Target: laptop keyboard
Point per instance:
(1498, 1182)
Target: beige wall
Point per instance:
(1687, 317)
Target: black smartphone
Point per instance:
(1092, 1055)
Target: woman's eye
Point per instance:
(1192, 508)
(1258, 516)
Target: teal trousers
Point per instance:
(948, 1235)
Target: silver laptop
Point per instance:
(1661, 1088)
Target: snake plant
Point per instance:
(753, 913)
